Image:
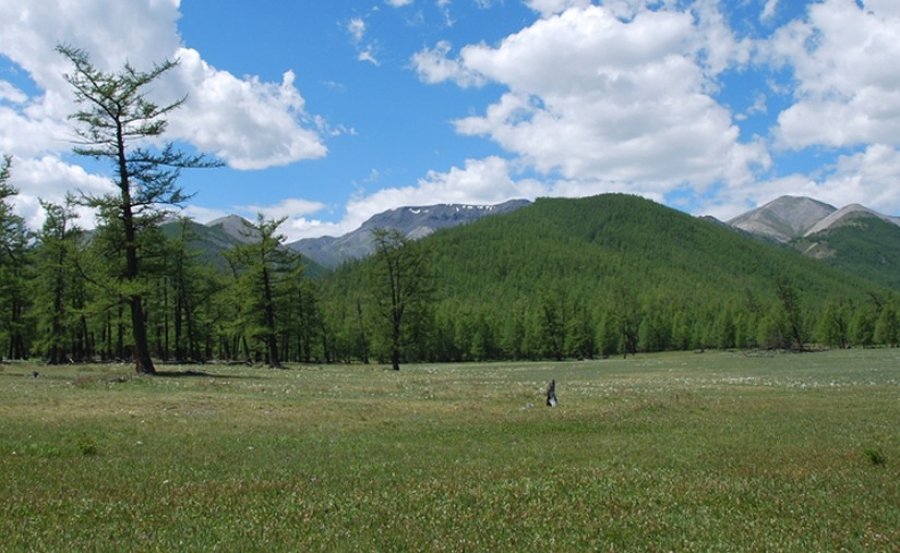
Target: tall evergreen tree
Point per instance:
(14, 296)
(262, 266)
(115, 122)
(57, 279)
(400, 284)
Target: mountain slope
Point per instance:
(234, 226)
(212, 240)
(610, 274)
(862, 243)
(414, 222)
(854, 238)
(784, 218)
(597, 245)
(847, 216)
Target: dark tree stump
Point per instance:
(551, 394)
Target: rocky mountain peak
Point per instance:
(414, 222)
(784, 218)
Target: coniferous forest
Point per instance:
(559, 279)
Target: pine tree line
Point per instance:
(61, 301)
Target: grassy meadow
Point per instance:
(721, 451)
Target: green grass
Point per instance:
(684, 452)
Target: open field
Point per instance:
(685, 452)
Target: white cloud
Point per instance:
(769, 10)
(844, 58)
(485, 181)
(12, 94)
(553, 7)
(596, 98)
(202, 214)
(288, 207)
(399, 3)
(368, 55)
(433, 66)
(48, 178)
(715, 46)
(868, 178)
(248, 123)
(357, 29)
(295, 210)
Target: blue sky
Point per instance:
(330, 112)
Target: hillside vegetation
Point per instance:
(870, 248)
(615, 274)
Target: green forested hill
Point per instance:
(870, 248)
(605, 243)
(617, 273)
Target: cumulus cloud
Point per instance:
(553, 7)
(367, 54)
(202, 214)
(248, 123)
(596, 98)
(12, 94)
(434, 66)
(48, 178)
(844, 58)
(288, 207)
(868, 177)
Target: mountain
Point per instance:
(233, 226)
(854, 238)
(552, 278)
(414, 222)
(595, 241)
(857, 240)
(851, 215)
(213, 239)
(783, 219)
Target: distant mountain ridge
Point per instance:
(846, 216)
(788, 218)
(784, 218)
(234, 226)
(414, 222)
(854, 238)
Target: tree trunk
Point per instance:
(271, 339)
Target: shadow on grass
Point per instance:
(201, 374)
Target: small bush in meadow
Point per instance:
(876, 456)
(87, 446)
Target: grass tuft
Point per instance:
(87, 446)
(876, 456)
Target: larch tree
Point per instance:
(261, 266)
(14, 265)
(117, 122)
(55, 253)
(401, 286)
